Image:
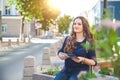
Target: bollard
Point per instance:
(29, 40)
(17, 42)
(53, 49)
(29, 67)
(46, 58)
(24, 40)
(0, 43)
(9, 43)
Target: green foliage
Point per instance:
(116, 66)
(105, 71)
(87, 76)
(107, 40)
(27, 8)
(64, 23)
(52, 71)
(39, 9)
(106, 36)
(107, 14)
(49, 13)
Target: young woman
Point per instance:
(76, 57)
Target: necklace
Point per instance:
(80, 40)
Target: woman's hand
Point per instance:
(62, 56)
(78, 59)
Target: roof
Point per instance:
(11, 17)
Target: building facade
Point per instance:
(12, 21)
(96, 13)
(114, 7)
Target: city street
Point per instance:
(12, 61)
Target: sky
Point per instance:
(73, 7)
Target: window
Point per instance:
(7, 11)
(112, 10)
(4, 27)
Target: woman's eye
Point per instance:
(79, 24)
(74, 23)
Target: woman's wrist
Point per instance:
(83, 59)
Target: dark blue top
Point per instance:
(71, 66)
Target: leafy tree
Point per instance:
(49, 13)
(39, 9)
(26, 10)
(63, 23)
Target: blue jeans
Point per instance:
(63, 76)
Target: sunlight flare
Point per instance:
(73, 7)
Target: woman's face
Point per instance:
(78, 26)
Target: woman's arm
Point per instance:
(60, 53)
(84, 60)
(89, 60)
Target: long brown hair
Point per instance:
(71, 41)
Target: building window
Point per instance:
(4, 27)
(112, 10)
(7, 11)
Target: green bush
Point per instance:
(52, 71)
(105, 71)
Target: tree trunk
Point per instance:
(0, 26)
(104, 6)
(44, 26)
(22, 30)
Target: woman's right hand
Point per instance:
(62, 56)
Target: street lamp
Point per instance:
(0, 20)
